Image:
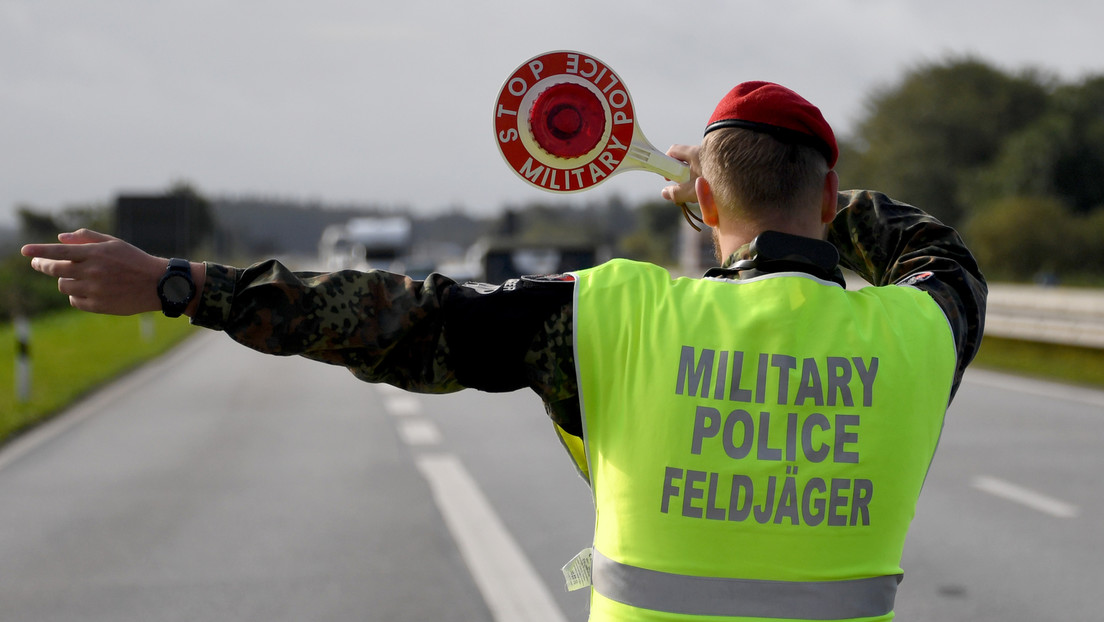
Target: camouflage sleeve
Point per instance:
(431, 336)
(384, 327)
(887, 242)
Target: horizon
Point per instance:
(343, 104)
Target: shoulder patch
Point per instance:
(550, 278)
(480, 288)
(916, 278)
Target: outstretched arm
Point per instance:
(104, 274)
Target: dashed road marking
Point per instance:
(510, 586)
(402, 405)
(508, 582)
(1025, 496)
(419, 432)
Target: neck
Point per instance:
(729, 239)
(732, 229)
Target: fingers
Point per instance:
(81, 293)
(53, 251)
(678, 193)
(100, 273)
(50, 261)
(52, 267)
(686, 153)
(684, 192)
(681, 193)
(59, 259)
(84, 303)
(84, 236)
(71, 247)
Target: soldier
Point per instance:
(756, 440)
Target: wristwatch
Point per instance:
(176, 288)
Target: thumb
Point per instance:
(83, 236)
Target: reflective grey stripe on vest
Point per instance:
(715, 596)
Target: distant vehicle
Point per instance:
(505, 258)
(382, 242)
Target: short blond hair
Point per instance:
(758, 176)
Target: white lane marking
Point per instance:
(1025, 496)
(402, 405)
(388, 389)
(510, 586)
(419, 432)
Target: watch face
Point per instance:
(176, 288)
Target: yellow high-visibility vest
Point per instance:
(756, 448)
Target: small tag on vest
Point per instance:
(577, 571)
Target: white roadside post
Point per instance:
(22, 358)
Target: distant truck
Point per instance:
(376, 242)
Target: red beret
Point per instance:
(778, 111)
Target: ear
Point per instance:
(829, 200)
(706, 201)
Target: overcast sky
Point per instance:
(390, 103)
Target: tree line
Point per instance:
(1013, 159)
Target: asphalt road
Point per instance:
(220, 484)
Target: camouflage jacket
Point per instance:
(439, 336)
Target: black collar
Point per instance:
(772, 251)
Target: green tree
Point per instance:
(1060, 155)
(1024, 238)
(1079, 171)
(1088, 241)
(37, 226)
(655, 237)
(923, 138)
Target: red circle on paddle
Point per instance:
(567, 120)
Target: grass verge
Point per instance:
(72, 353)
(1074, 364)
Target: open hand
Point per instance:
(100, 273)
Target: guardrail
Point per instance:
(1065, 315)
(1062, 315)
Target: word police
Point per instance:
(802, 436)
